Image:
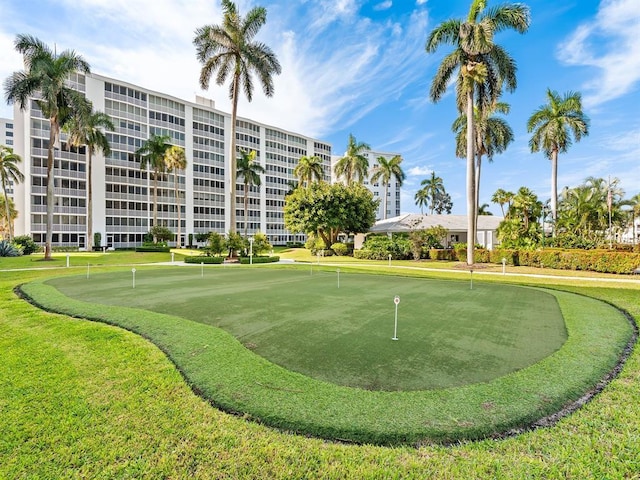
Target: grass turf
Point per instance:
(235, 379)
(85, 400)
(451, 335)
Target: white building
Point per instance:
(378, 189)
(123, 193)
(6, 139)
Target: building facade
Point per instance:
(378, 189)
(123, 192)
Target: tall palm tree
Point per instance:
(484, 209)
(230, 50)
(308, 169)
(552, 125)
(492, 136)
(354, 163)
(433, 186)
(422, 198)
(385, 171)
(502, 198)
(634, 202)
(9, 172)
(249, 169)
(88, 130)
(482, 68)
(44, 76)
(152, 154)
(175, 159)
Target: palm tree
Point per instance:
(552, 126)
(250, 171)
(8, 214)
(354, 163)
(385, 170)
(484, 209)
(502, 197)
(87, 130)
(308, 169)
(482, 67)
(433, 187)
(492, 136)
(422, 198)
(634, 202)
(152, 154)
(175, 159)
(44, 75)
(9, 172)
(230, 49)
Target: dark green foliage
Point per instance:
(161, 234)
(295, 244)
(27, 244)
(329, 210)
(97, 239)
(153, 248)
(215, 243)
(235, 243)
(379, 247)
(261, 244)
(442, 254)
(247, 260)
(8, 249)
(203, 237)
(203, 259)
(340, 249)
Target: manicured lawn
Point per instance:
(451, 335)
(85, 400)
(236, 379)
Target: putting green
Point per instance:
(339, 327)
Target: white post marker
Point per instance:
(250, 250)
(202, 269)
(338, 278)
(87, 270)
(172, 257)
(396, 301)
(504, 265)
(133, 271)
(389, 259)
(471, 275)
(67, 260)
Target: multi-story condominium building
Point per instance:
(123, 192)
(378, 189)
(6, 139)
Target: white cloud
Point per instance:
(419, 171)
(383, 5)
(421, 2)
(611, 44)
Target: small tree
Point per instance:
(234, 243)
(161, 234)
(215, 243)
(261, 243)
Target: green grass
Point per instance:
(86, 400)
(80, 260)
(236, 379)
(451, 335)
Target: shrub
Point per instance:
(510, 254)
(27, 244)
(8, 249)
(203, 259)
(97, 239)
(381, 246)
(295, 244)
(442, 254)
(340, 249)
(261, 243)
(161, 234)
(247, 261)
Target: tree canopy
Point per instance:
(329, 210)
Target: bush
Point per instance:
(511, 255)
(247, 261)
(442, 254)
(27, 244)
(295, 245)
(203, 259)
(379, 247)
(9, 249)
(64, 249)
(340, 249)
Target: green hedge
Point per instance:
(442, 254)
(245, 260)
(203, 259)
(146, 248)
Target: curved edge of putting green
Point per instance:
(234, 379)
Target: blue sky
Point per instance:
(357, 66)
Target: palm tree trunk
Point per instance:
(53, 135)
(478, 168)
(6, 204)
(232, 155)
(89, 203)
(155, 203)
(386, 191)
(246, 208)
(471, 194)
(175, 186)
(554, 189)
